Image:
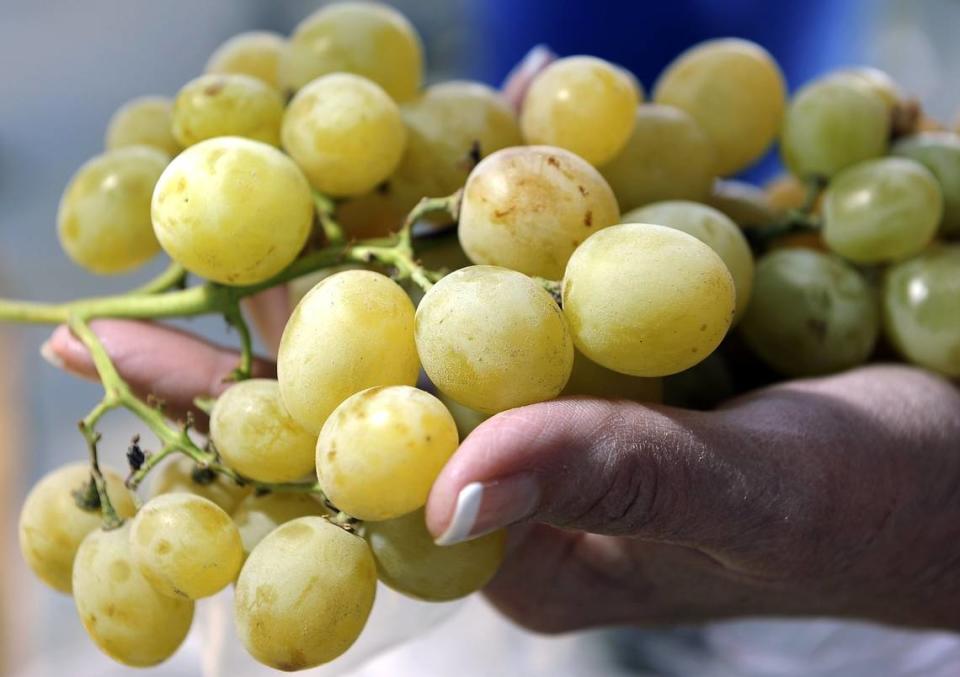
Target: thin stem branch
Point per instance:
(236, 320)
(325, 211)
(174, 276)
(111, 520)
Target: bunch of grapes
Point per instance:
(597, 250)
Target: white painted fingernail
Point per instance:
(51, 357)
(488, 506)
(464, 515)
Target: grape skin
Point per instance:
(412, 564)
(528, 208)
(103, 221)
(381, 449)
(353, 331)
(647, 300)
(939, 152)
(875, 80)
(52, 525)
(743, 202)
(589, 379)
(257, 516)
(493, 339)
(227, 105)
(144, 121)
(178, 476)
(253, 53)
(235, 239)
(304, 594)
(185, 545)
(127, 618)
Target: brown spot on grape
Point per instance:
(583, 191)
(553, 162)
(703, 327)
(119, 571)
(818, 328)
(588, 219)
(214, 88)
(163, 547)
(502, 213)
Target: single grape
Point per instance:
(881, 210)
(257, 516)
(254, 53)
(668, 157)
(832, 124)
(921, 309)
(493, 339)
(182, 475)
(185, 545)
(365, 38)
(144, 121)
(301, 286)
(353, 331)
(811, 314)
(449, 129)
(227, 105)
(52, 524)
(381, 449)
(647, 300)
(127, 618)
(304, 594)
(232, 210)
(528, 208)
(939, 152)
(583, 104)
(714, 229)
(735, 91)
(743, 202)
(467, 419)
(411, 563)
(104, 217)
(589, 379)
(345, 133)
(874, 79)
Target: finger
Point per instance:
(518, 80)
(269, 311)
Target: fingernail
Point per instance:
(51, 357)
(483, 507)
(535, 60)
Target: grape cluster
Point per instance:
(598, 250)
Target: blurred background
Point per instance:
(66, 66)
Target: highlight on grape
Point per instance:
(448, 259)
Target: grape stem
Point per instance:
(326, 209)
(111, 520)
(174, 277)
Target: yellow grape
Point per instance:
(528, 208)
(668, 157)
(365, 38)
(345, 133)
(301, 286)
(254, 53)
(127, 618)
(647, 300)
(182, 475)
(493, 339)
(256, 436)
(227, 105)
(734, 89)
(583, 104)
(589, 379)
(411, 563)
(449, 129)
(185, 545)
(257, 516)
(381, 449)
(232, 210)
(714, 229)
(304, 594)
(52, 525)
(144, 121)
(104, 217)
(353, 331)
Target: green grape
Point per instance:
(145, 121)
(257, 516)
(411, 563)
(364, 38)
(528, 208)
(345, 133)
(714, 229)
(703, 386)
(185, 545)
(668, 157)
(939, 152)
(353, 331)
(583, 104)
(746, 204)
(467, 419)
(381, 449)
(881, 210)
(104, 217)
(735, 91)
(232, 210)
(647, 300)
(301, 286)
(127, 618)
(304, 594)
(832, 124)
(811, 314)
(227, 105)
(449, 129)
(874, 79)
(182, 475)
(52, 525)
(493, 339)
(921, 309)
(589, 379)
(254, 53)
(256, 436)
